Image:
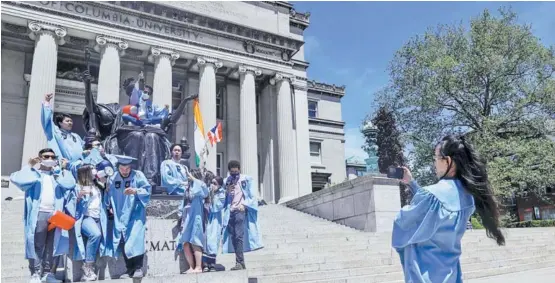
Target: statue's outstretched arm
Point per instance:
(175, 115)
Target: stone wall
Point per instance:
(367, 203)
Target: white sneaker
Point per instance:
(35, 278)
(50, 278)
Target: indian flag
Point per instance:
(200, 142)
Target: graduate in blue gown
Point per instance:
(191, 237)
(91, 215)
(93, 153)
(128, 195)
(61, 139)
(241, 231)
(214, 206)
(427, 233)
(144, 112)
(41, 201)
(174, 174)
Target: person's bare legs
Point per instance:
(189, 257)
(198, 258)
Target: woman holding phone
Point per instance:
(427, 233)
(91, 219)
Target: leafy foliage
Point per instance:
(390, 150)
(494, 82)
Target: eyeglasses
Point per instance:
(53, 157)
(96, 144)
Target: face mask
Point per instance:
(48, 163)
(93, 172)
(234, 174)
(145, 96)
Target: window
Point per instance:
(220, 92)
(315, 152)
(360, 173)
(312, 109)
(219, 162)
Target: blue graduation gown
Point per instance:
(215, 222)
(427, 233)
(65, 144)
(129, 213)
(252, 240)
(192, 229)
(93, 158)
(173, 176)
(81, 208)
(29, 179)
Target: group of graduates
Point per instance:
(107, 199)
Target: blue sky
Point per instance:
(351, 43)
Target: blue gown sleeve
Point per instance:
(66, 180)
(418, 221)
(218, 200)
(46, 120)
(167, 179)
(25, 178)
(74, 166)
(251, 199)
(143, 188)
(131, 119)
(199, 189)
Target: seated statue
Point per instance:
(142, 134)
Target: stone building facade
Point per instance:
(244, 59)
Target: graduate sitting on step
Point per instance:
(140, 110)
(241, 232)
(45, 194)
(128, 194)
(61, 139)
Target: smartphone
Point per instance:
(395, 172)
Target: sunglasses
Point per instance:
(53, 157)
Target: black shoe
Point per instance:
(212, 268)
(138, 274)
(205, 269)
(238, 266)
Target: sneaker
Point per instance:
(138, 274)
(212, 268)
(238, 266)
(35, 278)
(88, 272)
(127, 274)
(50, 278)
(206, 269)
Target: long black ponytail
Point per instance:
(471, 171)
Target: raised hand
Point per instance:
(86, 76)
(48, 97)
(34, 161)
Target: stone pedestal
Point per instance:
(161, 257)
(369, 203)
(43, 81)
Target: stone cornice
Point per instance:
(285, 46)
(102, 41)
(325, 88)
(326, 132)
(38, 27)
(156, 52)
(244, 69)
(303, 64)
(319, 121)
(302, 20)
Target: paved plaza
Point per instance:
(545, 275)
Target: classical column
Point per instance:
(207, 101)
(163, 60)
(303, 141)
(247, 118)
(43, 81)
(287, 147)
(110, 50)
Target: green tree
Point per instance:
(388, 140)
(494, 82)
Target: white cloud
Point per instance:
(354, 140)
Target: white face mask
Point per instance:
(48, 163)
(145, 96)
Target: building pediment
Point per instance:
(176, 24)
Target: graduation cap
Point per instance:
(124, 160)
